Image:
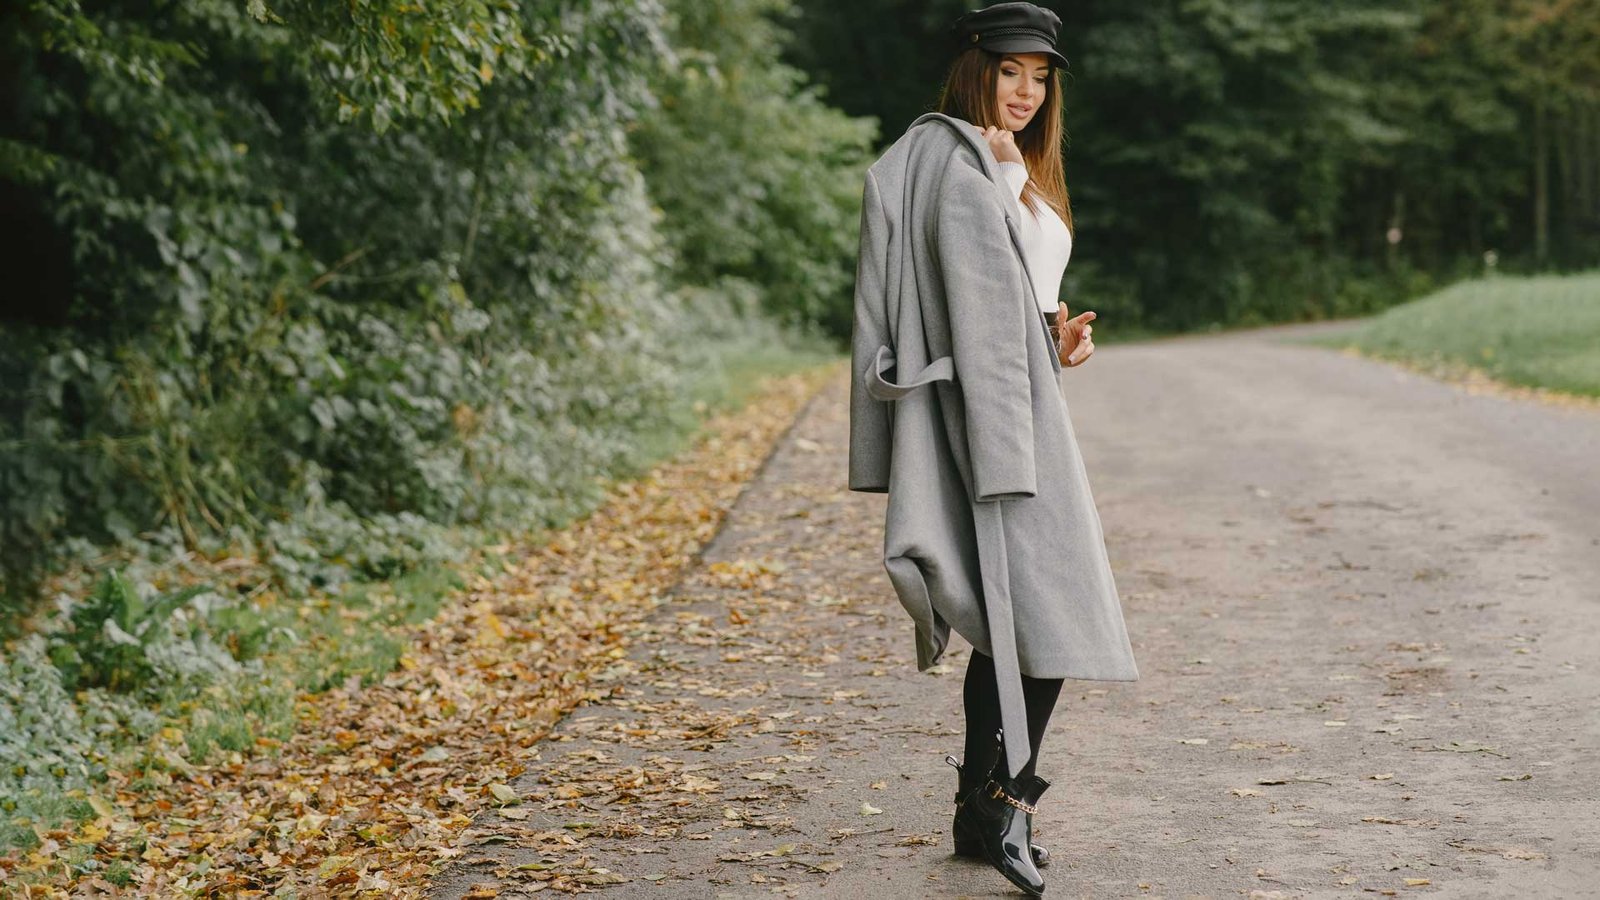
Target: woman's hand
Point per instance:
(1003, 143)
(1075, 343)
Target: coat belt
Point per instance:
(880, 388)
(996, 575)
(994, 571)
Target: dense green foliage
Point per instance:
(380, 270)
(1238, 162)
(1541, 331)
(743, 192)
(314, 297)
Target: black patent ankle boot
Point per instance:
(970, 845)
(998, 814)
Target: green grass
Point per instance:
(1540, 331)
(726, 387)
(363, 632)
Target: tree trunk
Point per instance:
(1396, 230)
(1583, 139)
(1588, 162)
(1568, 134)
(1475, 227)
(1541, 184)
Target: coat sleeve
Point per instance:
(985, 296)
(870, 431)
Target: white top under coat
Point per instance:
(1046, 242)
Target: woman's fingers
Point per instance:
(1084, 351)
(1079, 326)
(995, 135)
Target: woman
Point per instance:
(957, 414)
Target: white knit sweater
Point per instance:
(1046, 242)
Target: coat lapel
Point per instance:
(1008, 203)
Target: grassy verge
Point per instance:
(206, 661)
(1535, 332)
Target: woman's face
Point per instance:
(1021, 87)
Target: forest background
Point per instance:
(305, 298)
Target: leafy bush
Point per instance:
(40, 726)
(321, 315)
(45, 744)
(120, 640)
(783, 168)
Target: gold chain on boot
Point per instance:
(1000, 792)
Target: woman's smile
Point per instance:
(1020, 87)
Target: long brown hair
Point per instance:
(969, 93)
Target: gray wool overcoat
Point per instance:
(957, 412)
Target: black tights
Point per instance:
(981, 696)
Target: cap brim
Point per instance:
(1025, 45)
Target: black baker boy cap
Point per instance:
(1012, 27)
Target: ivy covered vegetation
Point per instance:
(309, 301)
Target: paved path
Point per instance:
(1365, 606)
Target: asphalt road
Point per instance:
(1365, 606)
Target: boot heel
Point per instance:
(966, 843)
